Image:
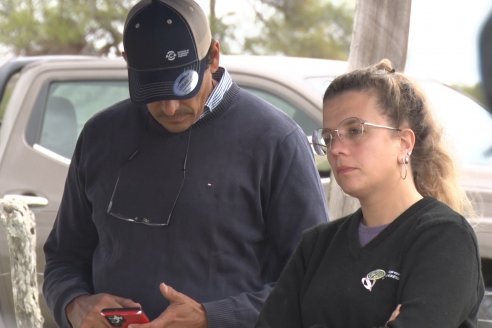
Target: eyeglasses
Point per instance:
(349, 131)
(140, 194)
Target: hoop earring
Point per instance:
(404, 166)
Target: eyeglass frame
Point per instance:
(320, 134)
(144, 220)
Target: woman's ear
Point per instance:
(407, 141)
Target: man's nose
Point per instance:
(169, 107)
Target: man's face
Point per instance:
(179, 115)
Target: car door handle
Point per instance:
(31, 201)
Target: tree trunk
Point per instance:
(212, 17)
(19, 225)
(380, 31)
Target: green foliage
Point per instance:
(220, 30)
(311, 28)
(307, 28)
(33, 27)
(476, 92)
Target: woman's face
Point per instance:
(363, 164)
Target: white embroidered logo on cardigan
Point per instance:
(370, 279)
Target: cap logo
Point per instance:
(185, 83)
(183, 53)
(171, 55)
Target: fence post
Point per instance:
(20, 227)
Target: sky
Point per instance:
(443, 43)
(443, 37)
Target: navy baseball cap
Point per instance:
(166, 43)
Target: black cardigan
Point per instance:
(427, 260)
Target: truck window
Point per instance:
(69, 105)
(6, 95)
(305, 122)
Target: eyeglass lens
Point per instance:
(349, 129)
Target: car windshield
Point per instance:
(467, 125)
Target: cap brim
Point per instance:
(147, 86)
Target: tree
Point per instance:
(380, 31)
(312, 28)
(220, 30)
(34, 27)
(477, 92)
(309, 28)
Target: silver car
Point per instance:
(53, 97)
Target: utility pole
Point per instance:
(380, 31)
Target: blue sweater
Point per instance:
(251, 188)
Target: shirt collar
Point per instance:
(223, 85)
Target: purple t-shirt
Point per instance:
(366, 234)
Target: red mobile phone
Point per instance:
(122, 317)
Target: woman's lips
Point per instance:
(344, 169)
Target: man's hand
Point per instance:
(84, 311)
(182, 312)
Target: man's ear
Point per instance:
(214, 56)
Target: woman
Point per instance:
(407, 257)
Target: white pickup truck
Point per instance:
(45, 101)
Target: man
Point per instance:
(485, 48)
(187, 199)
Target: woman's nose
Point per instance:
(336, 143)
